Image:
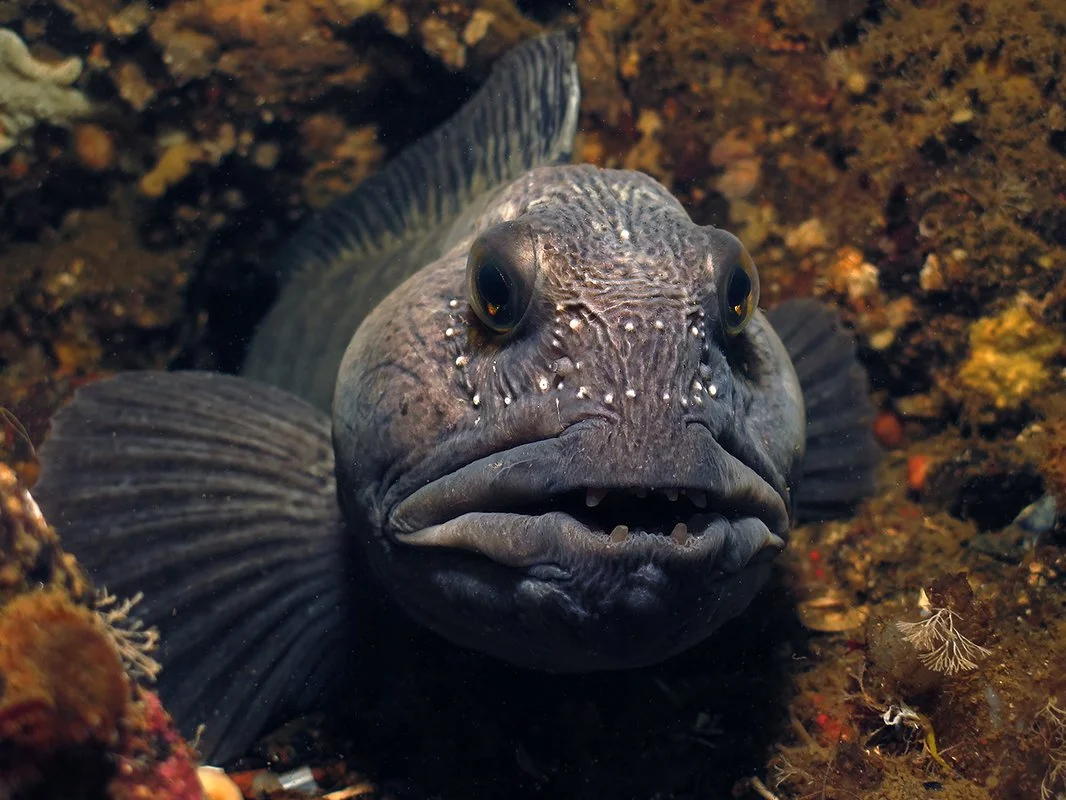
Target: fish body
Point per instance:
(536, 400)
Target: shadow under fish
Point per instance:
(532, 404)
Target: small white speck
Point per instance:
(449, 331)
(557, 332)
(462, 361)
(453, 304)
(629, 326)
(697, 386)
(559, 385)
(666, 396)
(582, 391)
(694, 331)
(631, 393)
(698, 398)
(608, 398)
(712, 390)
(555, 343)
(476, 399)
(700, 312)
(624, 234)
(559, 307)
(659, 325)
(543, 384)
(507, 400)
(684, 402)
(577, 365)
(575, 324)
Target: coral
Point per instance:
(941, 647)
(1050, 724)
(32, 91)
(62, 678)
(1009, 355)
(134, 642)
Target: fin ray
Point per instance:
(214, 497)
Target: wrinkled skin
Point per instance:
(469, 455)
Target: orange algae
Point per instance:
(61, 679)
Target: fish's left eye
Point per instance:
(738, 293)
(500, 271)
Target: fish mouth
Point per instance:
(520, 509)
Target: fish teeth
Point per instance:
(680, 533)
(698, 498)
(619, 534)
(593, 497)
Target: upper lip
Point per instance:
(550, 505)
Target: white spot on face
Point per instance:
(582, 391)
(543, 384)
(624, 234)
(698, 398)
(559, 385)
(476, 400)
(659, 325)
(575, 324)
(629, 326)
(666, 396)
(555, 343)
(694, 331)
(559, 307)
(507, 400)
(631, 392)
(608, 398)
(684, 402)
(577, 365)
(712, 390)
(453, 303)
(697, 386)
(449, 331)
(462, 361)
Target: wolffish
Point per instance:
(562, 432)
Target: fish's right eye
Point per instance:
(500, 275)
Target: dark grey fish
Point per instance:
(562, 432)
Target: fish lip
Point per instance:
(559, 540)
(472, 508)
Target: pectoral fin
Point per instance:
(214, 496)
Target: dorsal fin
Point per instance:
(350, 255)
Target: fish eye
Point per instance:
(738, 293)
(500, 276)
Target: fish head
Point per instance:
(570, 442)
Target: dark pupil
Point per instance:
(494, 288)
(737, 292)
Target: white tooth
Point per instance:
(671, 494)
(680, 533)
(619, 534)
(641, 493)
(698, 498)
(594, 496)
